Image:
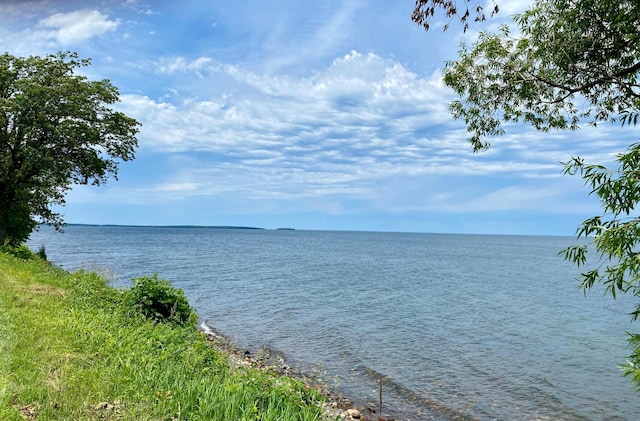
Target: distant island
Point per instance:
(286, 229)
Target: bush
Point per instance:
(158, 300)
(21, 252)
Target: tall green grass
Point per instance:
(71, 349)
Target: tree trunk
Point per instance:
(4, 222)
(7, 214)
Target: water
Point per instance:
(457, 326)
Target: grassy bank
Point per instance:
(71, 349)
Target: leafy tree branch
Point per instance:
(425, 10)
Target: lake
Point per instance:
(457, 326)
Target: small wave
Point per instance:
(412, 399)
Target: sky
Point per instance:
(324, 115)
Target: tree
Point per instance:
(573, 62)
(56, 129)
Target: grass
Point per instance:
(70, 349)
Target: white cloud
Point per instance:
(139, 7)
(361, 119)
(362, 129)
(172, 187)
(516, 197)
(357, 96)
(181, 65)
(77, 26)
(318, 37)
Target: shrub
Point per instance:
(21, 252)
(157, 299)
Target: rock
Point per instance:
(353, 413)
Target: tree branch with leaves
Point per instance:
(425, 10)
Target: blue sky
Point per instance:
(313, 115)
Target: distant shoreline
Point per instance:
(233, 227)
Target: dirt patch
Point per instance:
(29, 412)
(46, 290)
(107, 410)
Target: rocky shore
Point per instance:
(337, 406)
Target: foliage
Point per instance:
(56, 129)
(21, 252)
(69, 349)
(615, 233)
(572, 62)
(425, 10)
(158, 300)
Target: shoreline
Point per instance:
(76, 350)
(337, 406)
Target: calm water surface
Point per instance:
(457, 326)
